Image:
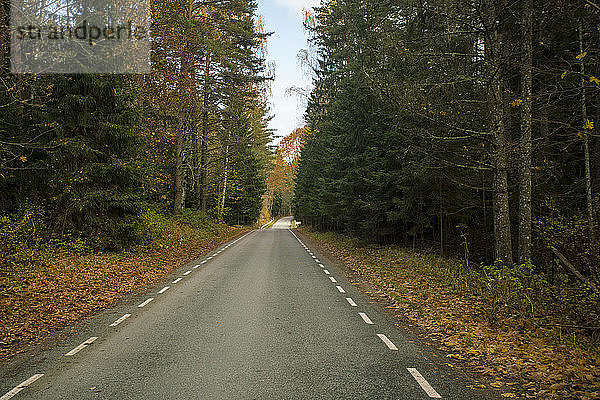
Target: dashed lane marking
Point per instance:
(424, 384)
(365, 318)
(11, 393)
(82, 346)
(144, 304)
(164, 289)
(123, 318)
(387, 341)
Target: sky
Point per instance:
(284, 18)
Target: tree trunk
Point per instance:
(525, 145)
(586, 145)
(225, 177)
(179, 186)
(186, 77)
(203, 175)
(502, 235)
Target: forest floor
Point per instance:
(512, 355)
(57, 287)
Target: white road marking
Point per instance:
(146, 302)
(341, 289)
(196, 266)
(387, 341)
(351, 302)
(164, 289)
(327, 272)
(177, 280)
(203, 262)
(366, 318)
(317, 261)
(186, 273)
(210, 258)
(332, 279)
(11, 393)
(123, 318)
(314, 257)
(424, 384)
(321, 265)
(81, 346)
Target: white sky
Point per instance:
(284, 18)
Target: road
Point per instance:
(259, 318)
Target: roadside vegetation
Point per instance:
(508, 324)
(45, 286)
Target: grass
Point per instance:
(503, 322)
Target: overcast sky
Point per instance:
(284, 18)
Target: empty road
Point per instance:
(263, 317)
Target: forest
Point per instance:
(469, 128)
(91, 158)
(447, 168)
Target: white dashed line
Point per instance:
(186, 273)
(317, 261)
(314, 257)
(82, 346)
(196, 266)
(366, 318)
(321, 265)
(203, 262)
(424, 384)
(327, 272)
(387, 341)
(123, 318)
(11, 393)
(351, 302)
(177, 280)
(332, 279)
(341, 289)
(146, 302)
(164, 289)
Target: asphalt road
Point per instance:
(258, 318)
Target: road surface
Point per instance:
(264, 317)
